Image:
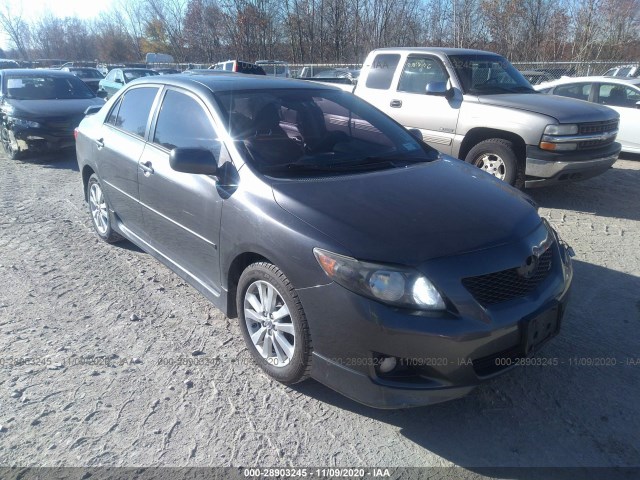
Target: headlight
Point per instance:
(21, 122)
(562, 129)
(398, 286)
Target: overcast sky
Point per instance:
(33, 9)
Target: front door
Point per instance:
(181, 210)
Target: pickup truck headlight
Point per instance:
(22, 122)
(393, 285)
(559, 137)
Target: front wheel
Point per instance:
(498, 157)
(7, 145)
(273, 323)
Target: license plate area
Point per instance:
(540, 328)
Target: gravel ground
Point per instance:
(108, 358)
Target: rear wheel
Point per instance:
(273, 323)
(100, 211)
(498, 157)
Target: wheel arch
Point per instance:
(237, 266)
(87, 171)
(480, 134)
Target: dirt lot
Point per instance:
(82, 384)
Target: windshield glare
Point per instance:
(291, 131)
(46, 88)
(488, 74)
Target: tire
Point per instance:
(100, 212)
(7, 146)
(273, 349)
(498, 157)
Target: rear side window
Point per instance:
(581, 91)
(418, 71)
(183, 122)
(134, 110)
(382, 69)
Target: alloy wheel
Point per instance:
(99, 211)
(493, 164)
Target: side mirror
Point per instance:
(416, 133)
(92, 109)
(199, 161)
(101, 93)
(439, 89)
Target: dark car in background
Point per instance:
(351, 251)
(119, 77)
(39, 109)
(90, 76)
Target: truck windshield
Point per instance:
(289, 132)
(488, 74)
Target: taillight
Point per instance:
(75, 133)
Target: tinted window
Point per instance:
(581, 91)
(382, 70)
(418, 71)
(112, 119)
(134, 110)
(182, 122)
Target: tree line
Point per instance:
(329, 31)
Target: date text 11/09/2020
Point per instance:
(331, 472)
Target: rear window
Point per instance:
(133, 111)
(382, 69)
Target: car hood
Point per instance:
(413, 214)
(42, 109)
(564, 110)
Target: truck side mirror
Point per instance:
(440, 89)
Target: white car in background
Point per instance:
(621, 94)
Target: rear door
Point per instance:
(181, 210)
(118, 149)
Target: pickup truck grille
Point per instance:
(596, 128)
(508, 284)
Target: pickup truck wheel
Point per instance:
(273, 323)
(100, 212)
(497, 157)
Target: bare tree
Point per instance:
(16, 28)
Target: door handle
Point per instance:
(100, 143)
(146, 168)
(395, 103)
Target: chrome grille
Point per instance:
(594, 129)
(508, 284)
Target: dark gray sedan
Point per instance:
(351, 251)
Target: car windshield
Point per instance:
(133, 74)
(489, 74)
(42, 87)
(292, 132)
(86, 73)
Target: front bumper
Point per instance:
(544, 168)
(443, 356)
(26, 139)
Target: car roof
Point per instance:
(224, 82)
(36, 72)
(135, 69)
(595, 79)
(443, 50)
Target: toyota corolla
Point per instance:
(349, 250)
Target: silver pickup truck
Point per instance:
(476, 106)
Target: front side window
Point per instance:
(134, 110)
(111, 76)
(418, 72)
(42, 87)
(486, 74)
(580, 91)
(288, 132)
(183, 123)
(382, 70)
